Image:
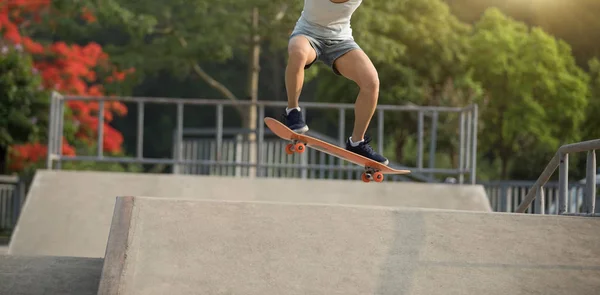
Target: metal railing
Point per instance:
(12, 193)
(561, 161)
(199, 143)
(467, 134)
(505, 196)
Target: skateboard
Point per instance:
(374, 170)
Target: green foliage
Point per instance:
(591, 129)
(171, 37)
(417, 47)
(575, 21)
(535, 95)
(23, 103)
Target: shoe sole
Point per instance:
(305, 129)
(386, 162)
(301, 130)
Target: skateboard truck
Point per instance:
(371, 174)
(295, 147)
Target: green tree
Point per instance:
(535, 95)
(575, 21)
(591, 130)
(23, 104)
(194, 40)
(186, 38)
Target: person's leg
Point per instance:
(352, 63)
(356, 66)
(301, 55)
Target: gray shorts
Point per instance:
(328, 51)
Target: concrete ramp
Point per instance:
(35, 275)
(68, 213)
(167, 246)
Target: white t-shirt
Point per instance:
(328, 20)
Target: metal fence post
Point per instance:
(261, 138)
(380, 129)
(474, 147)
(341, 140)
(468, 140)
(590, 183)
(504, 198)
(563, 182)
(51, 123)
(432, 145)
(18, 196)
(461, 153)
(101, 129)
(61, 126)
(420, 141)
(540, 202)
(140, 131)
(303, 156)
(178, 139)
(219, 134)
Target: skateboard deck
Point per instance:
(374, 170)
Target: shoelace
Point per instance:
(285, 116)
(365, 145)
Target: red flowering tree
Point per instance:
(82, 70)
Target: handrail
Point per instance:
(267, 103)
(12, 179)
(561, 160)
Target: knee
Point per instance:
(297, 56)
(370, 84)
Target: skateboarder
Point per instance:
(323, 33)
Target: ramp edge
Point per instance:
(116, 248)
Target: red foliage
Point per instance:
(69, 69)
(24, 154)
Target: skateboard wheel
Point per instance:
(378, 176)
(364, 177)
(288, 149)
(299, 148)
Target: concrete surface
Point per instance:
(68, 213)
(167, 246)
(22, 275)
(3, 249)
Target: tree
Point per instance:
(535, 95)
(574, 21)
(69, 69)
(23, 103)
(591, 130)
(189, 38)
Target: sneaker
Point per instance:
(294, 121)
(365, 150)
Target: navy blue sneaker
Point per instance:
(294, 121)
(365, 150)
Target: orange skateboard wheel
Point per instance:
(288, 149)
(364, 177)
(378, 176)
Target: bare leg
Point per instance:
(356, 66)
(300, 53)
